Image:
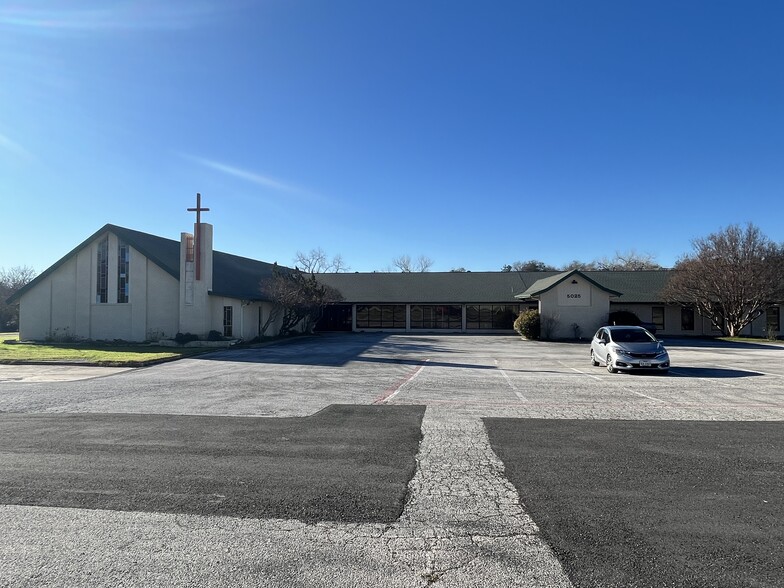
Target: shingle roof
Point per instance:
(164, 252)
(429, 287)
(240, 277)
(234, 276)
(544, 284)
(477, 287)
(634, 286)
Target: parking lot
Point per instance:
(463, 524)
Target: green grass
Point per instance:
(751, 340)
(95, 353)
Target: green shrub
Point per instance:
(528, 324)
(183, 338)
(214, 336)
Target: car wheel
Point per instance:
(593, 359)
(610, 367)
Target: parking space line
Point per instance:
(646, 396)
(511, 384)
(597, 378)
(393, 390)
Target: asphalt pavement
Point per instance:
(463, 522)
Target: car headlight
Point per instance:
(623, 352)
(661, 354)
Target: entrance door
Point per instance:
(336, 317)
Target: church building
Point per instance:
(121, 284)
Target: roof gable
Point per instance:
(163, 252)
(545, 284)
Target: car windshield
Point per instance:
(631, 336)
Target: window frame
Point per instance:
(685, 312)
(102, 271)
(123, 272)
(661, 312)
(228, 321)
(773, 326)
(437, 317)
(381, 316)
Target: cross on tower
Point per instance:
(198, 210)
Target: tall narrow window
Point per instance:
(227, 321)
(102, 271)
(123, 259)
(189, 248)
(687, 318)
(773, 319)
(657, 314)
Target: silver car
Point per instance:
(628, 349)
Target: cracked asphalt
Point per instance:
(463, 523)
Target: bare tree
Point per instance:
(628, 261)
(338, 265)
(316, 261)
(732, 276)
(579, 265)
(404, 263)
(458, 270)
(423, 263)
(298, 298)
(532, 265)
(11, 280)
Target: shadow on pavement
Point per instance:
(699, 372)
(718, 343)
(338, 349)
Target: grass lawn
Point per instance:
(103, 354)
(759, 340)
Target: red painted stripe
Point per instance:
(400, 383)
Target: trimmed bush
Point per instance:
(183, 338)
(214, 336)
(528, 324)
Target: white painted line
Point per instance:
(597, 378)
(646, 396)
(511, 384)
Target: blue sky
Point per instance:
(476, 133)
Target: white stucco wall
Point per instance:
(197, 313)
(579, 303)
(162, 303)
(63, 305)
(35, 314)
(245, 317)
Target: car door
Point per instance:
(598, 345)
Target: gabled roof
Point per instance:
(240, 277)
(164, 252)
(232, 275)
(543, 285)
